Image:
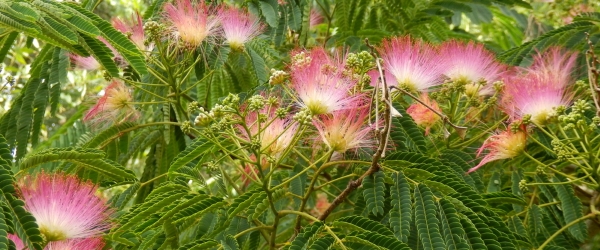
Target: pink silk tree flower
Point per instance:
(87, 63)
(193, 23)
(503, 145)
(64, 207)
(412, 64)
(534, 95)
(76, 244)
(422, 115)
(469, 63)
(134, 30)
(90, 63)
(239, 27)
(345, 129)
(319, 84)
(315, 18)
(555, 65)
(275, 134)
(115, 106)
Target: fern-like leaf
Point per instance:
(195, 150)
(426, 219)
(401, 213)
(374, 192)
(196, 210)
(363, 224)
(572, 209)
(303, 239)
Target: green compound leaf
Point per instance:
(572, 209)
(426, 219)
(363, 224)
(451, 228)
(401, 213)
(303, 239)
(374, 192)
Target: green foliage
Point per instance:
(22, 223)
(189, 168)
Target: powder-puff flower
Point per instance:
(503, 145)
(275, 134)
(90, 63)
(412, 64)
(134, 29)
(315, 18)
(239, 27)
(319, 84)
(345, 129)
(555, 65)
(422, 115)
(193, 23)
(544, 87)
(76, 244)
(87, 63)
(64, 207)
(114, 107)
(469, 63)
(534, 95)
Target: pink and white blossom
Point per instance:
(134, 29)
(470, 63)
(192, 23)
(345, 129)
(115, 106)
(275, 134)
(239, 27)
(543, 87)
(319, 84)
(556, 65)
(64, 207)
(503, 145)
(76, 244)
(315, 18)
(411, 64)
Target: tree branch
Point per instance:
(383, 135)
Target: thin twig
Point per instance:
(460, 129)
(383, 141)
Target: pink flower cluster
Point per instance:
(194, 23)
(532, 93)
(419, 66)
(319, 82)
(66, 209)
(115, 106)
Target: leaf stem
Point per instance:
(590, 215)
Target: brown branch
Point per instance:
(383, 136)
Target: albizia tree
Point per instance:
(274, 125)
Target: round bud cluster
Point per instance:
(256, 102)
(194, 107)
(361, 62)
(231, 100)
(203, 119)
(153, 29)
(282, 112)
(304, 116)
(186, 127)
(300, 60)
(277, 77)
(560, 149)
(523, 186)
